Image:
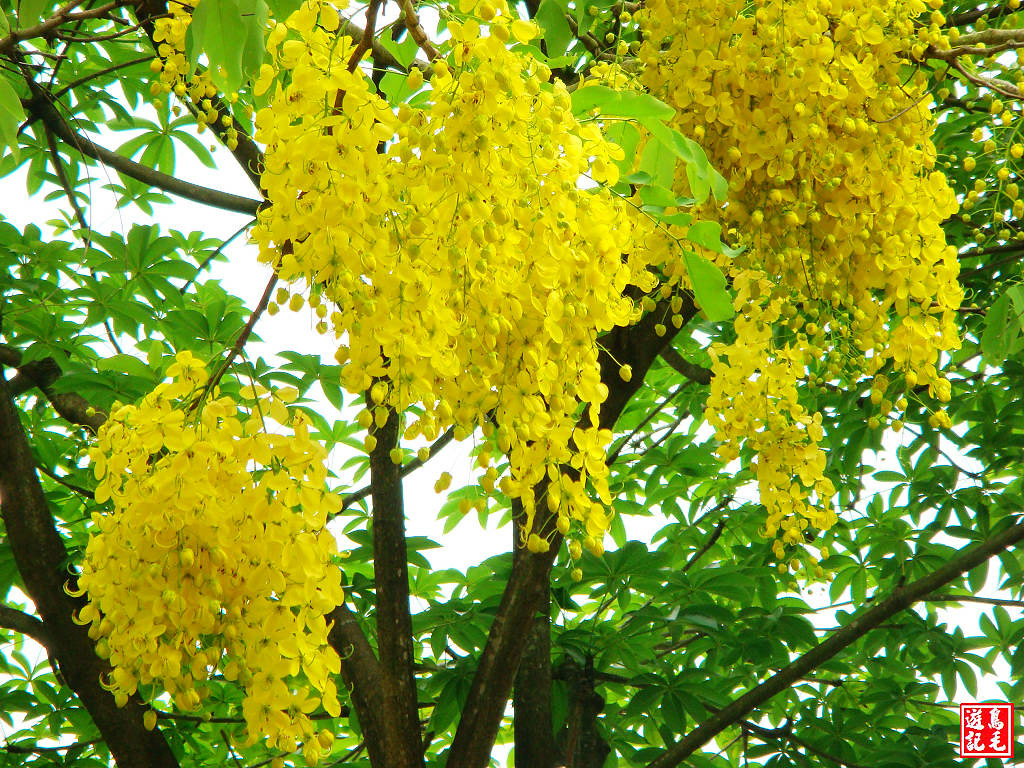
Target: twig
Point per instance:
(381, 55)
(243, 336)
(974, 599)
(416, 463)
(63, 15)
(419, 36)
(707, 545)
(60, 480)
(624, 441)
(366, 41)
(100, 73)
(206, 262)
(42, 107)
(695, 373)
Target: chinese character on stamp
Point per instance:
(986, 730)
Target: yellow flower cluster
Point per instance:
(808, 110)
(471, 273)
(214, 559)
(178, 77)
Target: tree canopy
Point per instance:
(706, 263)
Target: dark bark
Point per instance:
(363, 677)
(637, 345)
(42, 562)
(531, 698)
(394, 620)
(580, 742)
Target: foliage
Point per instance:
(693, 267)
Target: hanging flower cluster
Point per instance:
(213, 559)
(471, 273)
(177, 76)
(809, 111)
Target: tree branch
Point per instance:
(412, 23)
(533, 725)
(41, 559)
(707, 545)
(63, 15)
(900, 599)
(41, 107)
(381, 55)
(638, 346)
(43, 373)
(435, 447)
(26, 624)
(975, 599)
(394, 619)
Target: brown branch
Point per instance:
(366, 40)
(969, 17)
(900, 599)
(24, 623)
(435, 447)
(243, 337)
(40, 106)
(1002, 87)
(624, 441)
(42, 374)
(61, 481)
(975, 599)
(63, 15)
(96, 38)
(100, 73)
(416, 31)
(707, 545)
(381, 55)
(41, 558)
(364, 678)
(36, 749)
(393, 615)
(786, 732)
(638, 346)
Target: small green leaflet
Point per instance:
(709, 235)
(557, 35)
(640, 106)
(230, 33)
(11, 113)
(702, 177)
(1003, 325)
(709, 287)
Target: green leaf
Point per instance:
(11, 113)
(709, 287)
(639, 106)
(702, 177)
(282, 9)
(230, 33)
(627, 136)
(658, 163)
(998, 335)
(557, 34)
(709, 235)
(404, 50)
(31, 12)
